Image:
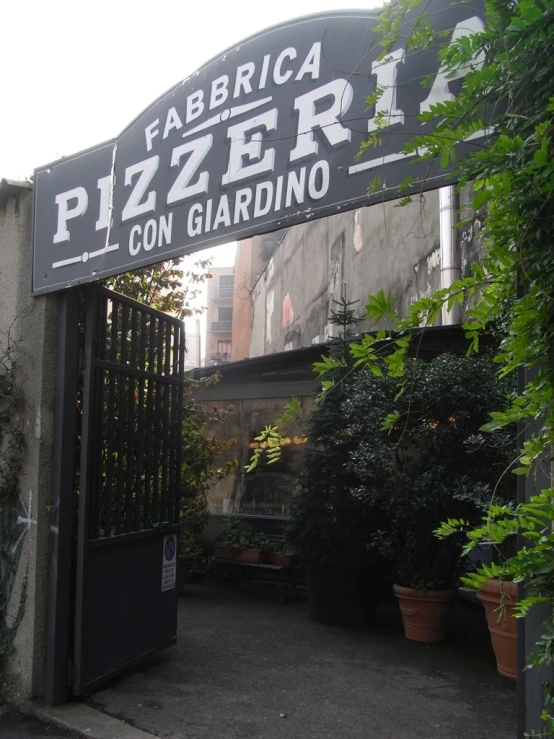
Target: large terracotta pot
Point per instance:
(424, 612)
(502, 624)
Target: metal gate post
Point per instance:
(63, 464)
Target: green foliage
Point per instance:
(11, 457)
(237, 534)
(206, 460)
(427, 460)
(328, 523)
(509, 91)
(165, 286)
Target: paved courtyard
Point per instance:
(248, 668)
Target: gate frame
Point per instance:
(57, 674)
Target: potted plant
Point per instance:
(240, 541)
(499, 597)
(281, 554)
(330, 527)
(419, 461)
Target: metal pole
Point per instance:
(450, 257)
(63, 463)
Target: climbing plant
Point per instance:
(11, 455)
(508, 91)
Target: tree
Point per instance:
(165, 286)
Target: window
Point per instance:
(225, 314)
(226, 286)
(224, 347)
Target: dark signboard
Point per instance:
(262, 137)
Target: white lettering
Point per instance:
(387, 73)
(259, 209)
(166, 226)
(278, 77)
(243, 198)
(440, 92)
(208, 219)
(103, 185)
(241, 149)
(134, 248)
(263, 73)
(150, 233)
(172, 121)
(311, 63)
(327, 120)
(296, 183)
(242, 80)
(195, 105)
(222, 214)
(65, 213)
(220, 93)
(146, 171)
(150, 132)
(278, 192)
(313, 191)
(182, 188)
(194, 221)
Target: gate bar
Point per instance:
(63, 468)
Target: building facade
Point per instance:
(357, 253)
(219, 315)
(252, 256)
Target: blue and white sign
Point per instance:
(169, 562)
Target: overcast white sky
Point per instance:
(76, 73)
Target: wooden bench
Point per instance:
(230, 566)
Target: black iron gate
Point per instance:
(129, 486)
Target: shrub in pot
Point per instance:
(419, 460)
(240, 541)
(329, 526)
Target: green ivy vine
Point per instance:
(11, 457)
(509, 92)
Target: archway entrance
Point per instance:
(263, 137)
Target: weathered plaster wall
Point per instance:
(29, 325)
(375, 248)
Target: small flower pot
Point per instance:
(502, 624)
(288, 561)
(424, 613)
(252, 556)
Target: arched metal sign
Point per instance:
(262, 137)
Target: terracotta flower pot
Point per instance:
(252, 556)
(424, 612)
(502, 624)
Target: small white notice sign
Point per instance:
(169, 562)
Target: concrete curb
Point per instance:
(87, 721)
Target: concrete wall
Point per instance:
(28, 326)
(372, 249)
